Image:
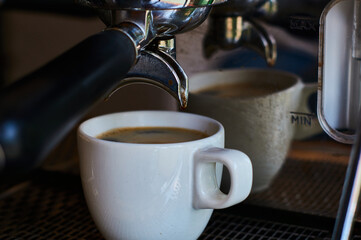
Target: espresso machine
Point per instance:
(315, 195)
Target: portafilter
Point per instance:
(137, 45)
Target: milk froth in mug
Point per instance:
(241, 90)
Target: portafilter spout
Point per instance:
(149, 28)
(36, 112)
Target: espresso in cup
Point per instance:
(152, 135)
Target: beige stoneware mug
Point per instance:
(261, 122)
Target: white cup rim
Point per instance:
(215, 128)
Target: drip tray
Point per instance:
(301, 203)
(305, 186)
(51, 205)
(227, 226)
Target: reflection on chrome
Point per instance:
(148, 4)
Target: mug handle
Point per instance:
(207, 194)
(309, 124)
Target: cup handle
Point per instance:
(307, 123)
(207, 194)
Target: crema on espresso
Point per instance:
(152, 135)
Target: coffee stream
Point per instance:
(152, 135)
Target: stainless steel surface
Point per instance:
(231, 32)
(147, 28)
(160, 68)
(232, 226)
(354, 93)
(223, 33)
(356, 34)
(339, 72)
(147, 4)
(157, 65)
(161, 22)
(146, 22)
(168, 46)
(351, 193)
(310, 181)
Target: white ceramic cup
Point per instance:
(260, 126)
(158, 191)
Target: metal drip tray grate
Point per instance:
(305, 186)
(310, 181)
(50, 204)
(225, 226)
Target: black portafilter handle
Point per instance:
(37, 111)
